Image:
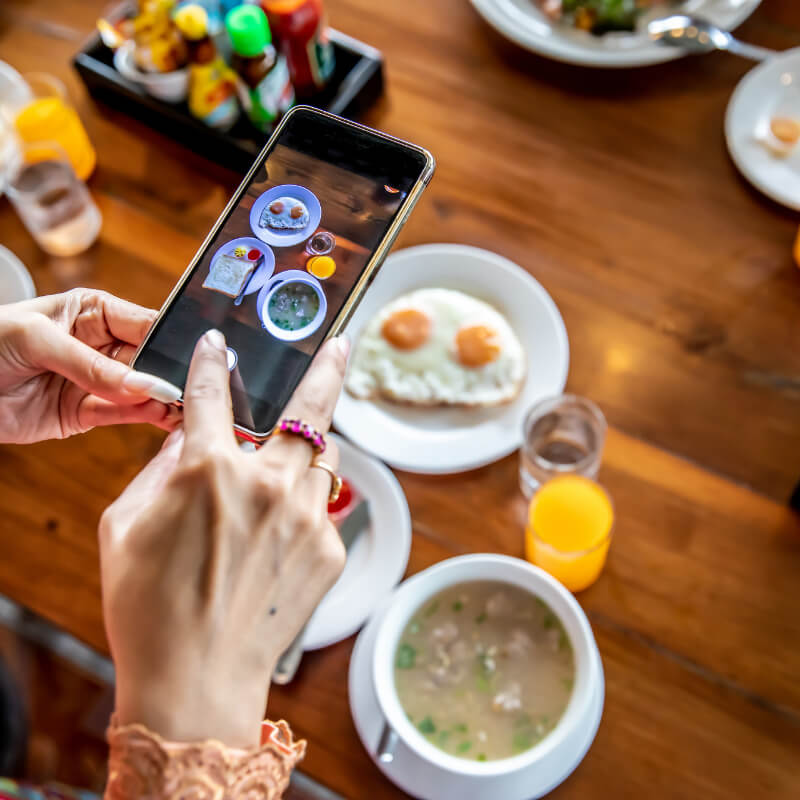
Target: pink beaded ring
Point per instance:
(296, 427)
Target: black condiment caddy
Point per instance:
(357, 82)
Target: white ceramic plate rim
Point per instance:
(737, 149)
(262, 274)
(298, 192)
(350, 603)
(348, 416)
(540, 37)
(12, 261)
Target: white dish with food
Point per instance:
(766, 100)
(285, 215)
(171, 87)
(243, 249)
(405, 751)
(292, 305)
(526, 23)
(445, 439)
(377, 559)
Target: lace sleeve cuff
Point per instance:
(142, 766)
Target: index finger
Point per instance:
(313, 402)
(207, 414)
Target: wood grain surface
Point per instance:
(682, 304)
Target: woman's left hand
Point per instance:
(63, 367)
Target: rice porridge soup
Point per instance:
(484, 670)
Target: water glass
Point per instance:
(562, 435)
(52, 202)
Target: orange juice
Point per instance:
(50, 118)
(569, 530)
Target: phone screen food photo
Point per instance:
(285, 259)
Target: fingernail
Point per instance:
(152, 386)
(215, 338)
(343, 341)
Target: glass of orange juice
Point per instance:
(50, 117)
(569, 528)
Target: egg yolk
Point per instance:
(476, 346)
(407, 329)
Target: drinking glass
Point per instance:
(320, 244)
(570, 519)
(50, 117)
(563, 435)
(52, 202)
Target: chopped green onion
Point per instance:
(464, 746)
(406, 656)
(461, 727)
(413, 628)
(458, 605)
(481, 618)
(427, 726)
(481, 757)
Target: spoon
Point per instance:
(700, 36)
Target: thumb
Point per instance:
(56, 350)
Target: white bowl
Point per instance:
(563, 748)
(172, 87)
(277, 282)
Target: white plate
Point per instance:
(523, 23)
(376, 561)
(443, 440)
(421, 778)
(758, 96)
(262, 274)
(286, 238)
(15, 281)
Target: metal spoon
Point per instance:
(700, 36)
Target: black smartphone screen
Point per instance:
(286, 259)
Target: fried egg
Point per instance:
(284, 214)
(437, 347)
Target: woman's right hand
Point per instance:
(214, 558)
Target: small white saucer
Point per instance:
(424, 780)
(15, 281)
(377, 559)
(762, 93)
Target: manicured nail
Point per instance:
(343, 341)
(152, 386)
(216, 339)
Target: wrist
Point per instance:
(187, 715)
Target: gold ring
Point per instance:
(336, 481)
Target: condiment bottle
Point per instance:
(268, 92)
(212, 83)
(299, 27)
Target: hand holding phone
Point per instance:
(213, 559)
(288, 260)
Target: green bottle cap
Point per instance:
(249, 30)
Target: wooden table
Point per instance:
(683, 309)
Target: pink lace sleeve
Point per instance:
(142, 766)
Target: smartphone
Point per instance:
(289, 259)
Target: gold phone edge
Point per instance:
(366, 277)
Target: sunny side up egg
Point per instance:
(437, 347)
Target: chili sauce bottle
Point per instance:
(300, 29)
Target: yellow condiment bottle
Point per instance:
(50, 118)
(569, 530)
